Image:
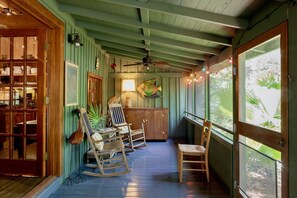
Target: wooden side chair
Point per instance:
(116, 164)
(133, 138)
(199, 153)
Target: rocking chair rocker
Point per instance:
(113, 147)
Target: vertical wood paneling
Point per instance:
(84, 57)
(173, 93)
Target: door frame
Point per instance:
(54, 89)
(266, 135)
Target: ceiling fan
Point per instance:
(147, 61)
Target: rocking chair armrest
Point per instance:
(121, 125)
(107, 132)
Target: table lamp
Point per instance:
(128, 85)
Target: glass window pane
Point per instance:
(221, 95)
(200, 97)
(260, 82)
(190, 97)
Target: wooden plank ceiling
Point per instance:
(183, 33)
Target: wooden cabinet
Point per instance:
(155, 121)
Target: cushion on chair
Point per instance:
(191, 149)
(124, 129)
(96, 137)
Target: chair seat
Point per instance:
(191, 149)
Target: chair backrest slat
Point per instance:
(206, 132)
(117, 114)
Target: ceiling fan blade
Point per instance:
(161, 64)
(133, 64)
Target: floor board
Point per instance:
(154, 174)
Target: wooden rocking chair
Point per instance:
(133, 138)
(116, 164)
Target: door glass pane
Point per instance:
(31, 149)
(31, 96)
(260, 85)
(4, 97)
(5, 48)
(18, 147)
(260, 169)
(4, 73)
(18, 98)
(18, 47)
(32, 47)
(4, 145)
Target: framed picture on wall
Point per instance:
(71, 84)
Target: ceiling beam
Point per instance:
(192, 57)
(145, 18)
(200, 15)
(140, 45)
(134, 35)
(93, 14)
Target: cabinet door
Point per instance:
(149, 124)
(160, 125)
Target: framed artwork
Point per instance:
(71, 84)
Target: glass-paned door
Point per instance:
(262, 115)
(21, 108)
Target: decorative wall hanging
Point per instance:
(71, 84)
(150, 89)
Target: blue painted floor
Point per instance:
(154, 175)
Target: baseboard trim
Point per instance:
(45, 188)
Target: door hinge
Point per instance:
(46, 100)
(45, 156)
(234, 128)
(46, 46)
(234, 71)
(235, 184)
(282, 142)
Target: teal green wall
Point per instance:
(173, 91)
(84, 57)
(285, 12)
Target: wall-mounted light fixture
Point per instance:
(128, 85)
(74, 39)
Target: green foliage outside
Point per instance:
(269, 82)
(221, 98)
